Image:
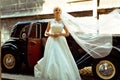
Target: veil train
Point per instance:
(95, 44)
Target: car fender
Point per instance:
(9, 46)
(118, 49)
(115, 52)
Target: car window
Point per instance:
(39, 30)
(17, 30)
(35, 31)
(44, 26)
(24, 32)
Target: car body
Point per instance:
(27, 42)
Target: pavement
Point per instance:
(85, 73)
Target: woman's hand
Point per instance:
(53, 35)
(56, 35)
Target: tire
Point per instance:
(111, 66)
(10, 61)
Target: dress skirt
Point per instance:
(57, 62)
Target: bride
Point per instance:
(58, 62)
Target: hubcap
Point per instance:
(105, 69)
(9, 61)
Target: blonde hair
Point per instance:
(57, 7)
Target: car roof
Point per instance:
(33, 21)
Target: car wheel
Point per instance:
(10, 62)
(105, 69)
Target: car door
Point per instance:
(34, 45)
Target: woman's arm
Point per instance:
(66, 34)
(47, 30)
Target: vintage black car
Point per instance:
(27, 42)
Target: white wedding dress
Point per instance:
(58, 62)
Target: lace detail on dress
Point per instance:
(56, 26)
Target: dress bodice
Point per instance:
(56, 26)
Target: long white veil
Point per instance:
(95, 44)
